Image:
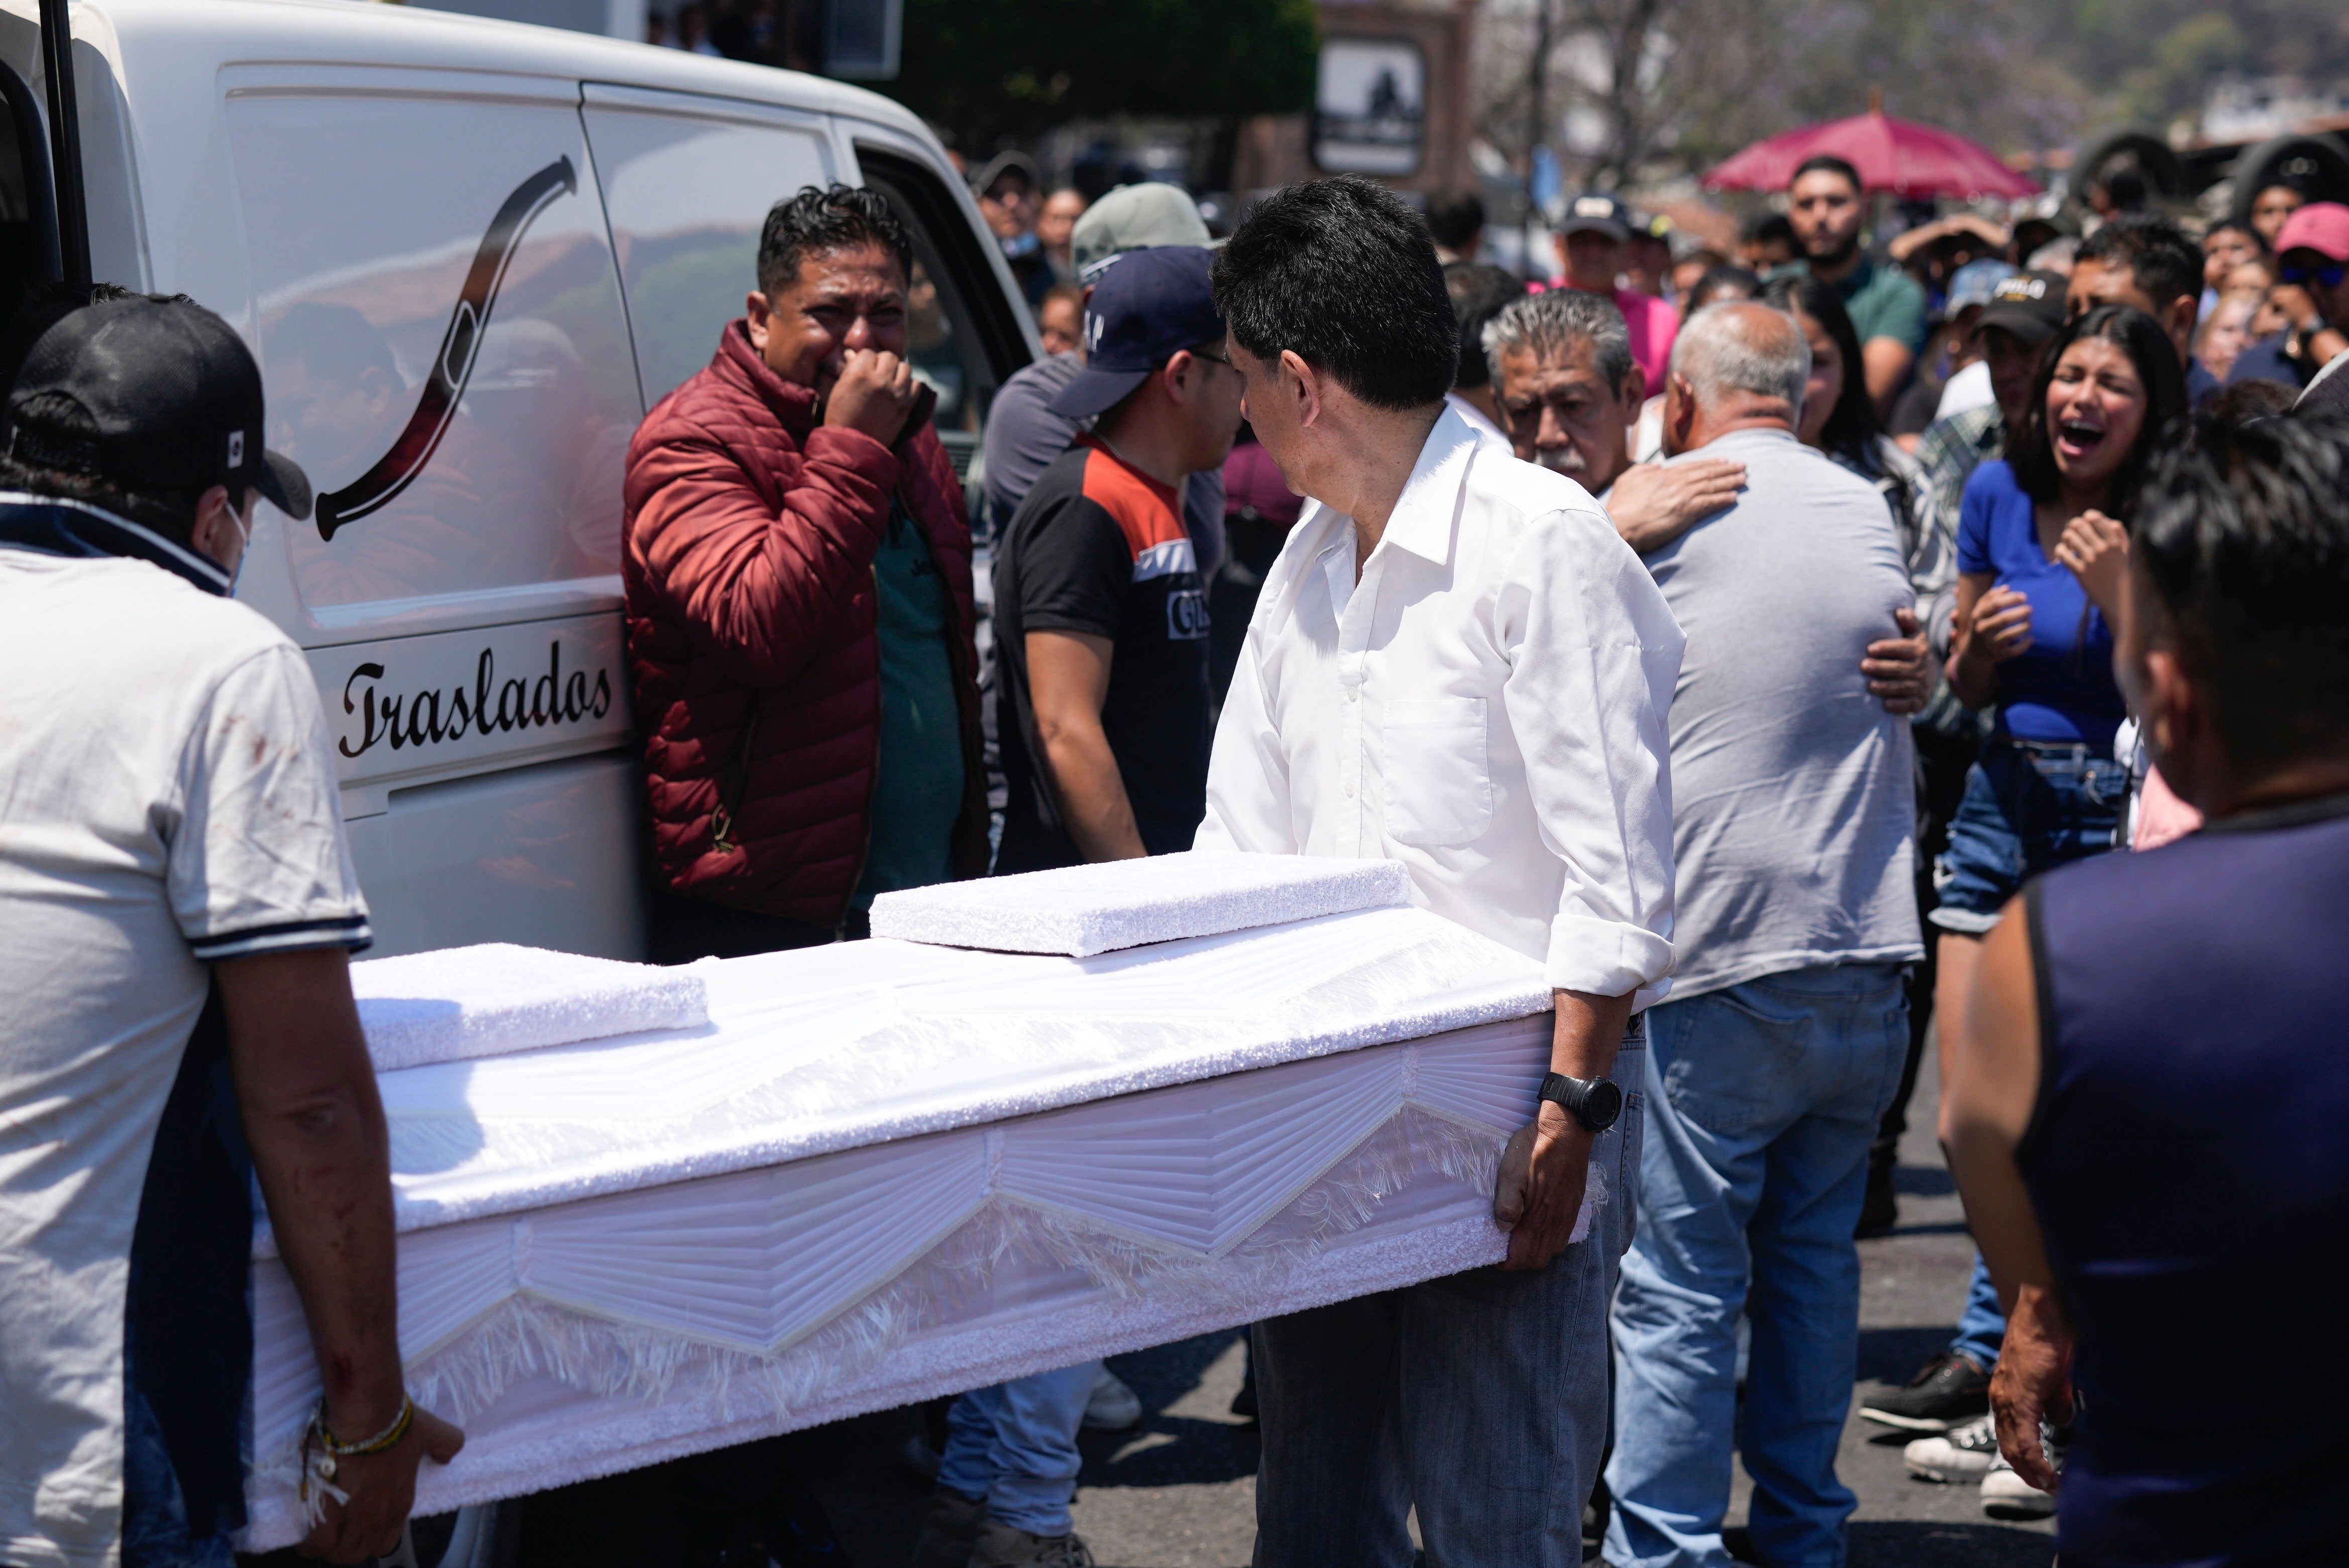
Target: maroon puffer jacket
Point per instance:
(748, 555)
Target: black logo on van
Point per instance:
(453, 365)
(490, 706)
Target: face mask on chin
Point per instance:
(244, 547)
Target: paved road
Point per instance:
(1179, 1492)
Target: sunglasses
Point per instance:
(2331, 274)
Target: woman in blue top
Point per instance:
(2032, 646)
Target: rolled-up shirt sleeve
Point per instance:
(1594, 655)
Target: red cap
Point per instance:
(2320, 226)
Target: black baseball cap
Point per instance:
(2028, 304)
(1596, 209)
(1148, 307)
(173, 392)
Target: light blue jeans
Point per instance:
(1762, 1098)
(1480, 1398)
(1013, 1446)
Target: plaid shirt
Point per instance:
(1948, 453)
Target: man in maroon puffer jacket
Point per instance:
(799, 607)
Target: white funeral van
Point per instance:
(469, 255)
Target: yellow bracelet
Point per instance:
(386, 1439)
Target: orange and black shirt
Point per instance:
(1099, 547)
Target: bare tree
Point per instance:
(1634, 87)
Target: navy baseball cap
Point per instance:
(1598, 212)
(1148, 307)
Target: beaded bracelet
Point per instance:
(331, 1448)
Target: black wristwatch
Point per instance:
(1594, 1102)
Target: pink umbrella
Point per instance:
(1896, 155)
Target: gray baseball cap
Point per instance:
(1134, 217)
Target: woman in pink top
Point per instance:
(1591, 237)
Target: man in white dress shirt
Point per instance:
(1456, 664)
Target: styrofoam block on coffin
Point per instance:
(495, 998)
(1080, 911)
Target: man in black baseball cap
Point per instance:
(1100, 703)
(156, 400)
(1150, 306)
(183, 930)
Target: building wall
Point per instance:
(1277, 150)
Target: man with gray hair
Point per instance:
(1787, 1028)
(1569, 392)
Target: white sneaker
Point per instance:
(1114, 1407)
(2006, 1495)
(1962, 1455)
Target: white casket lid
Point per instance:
(1080, 911)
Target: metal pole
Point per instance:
(1535, 131)
(65, 143)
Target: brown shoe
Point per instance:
(950, 1529)
(1001, 1546)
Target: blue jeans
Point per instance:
(1480, 1397)
(1013, 1446)
(1765, 1098)
(155, 1529)
(2028, 807)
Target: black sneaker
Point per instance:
(1946, 1391)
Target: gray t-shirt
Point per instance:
(1024, 437)
(1794, 815)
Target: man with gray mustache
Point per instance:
(1570, 392)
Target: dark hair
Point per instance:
(1827, 163)
(1728, 281)
(1454, 221)
(2123, 187)
(1478, 294)
(2244, 401)
(57, 430)
(2030, 452)
(819, 218)
(1342, 274)
(2245, 539)
(2241, 226)
(2167, 264)
(50, 430)
(1767, 228)
(1851, 431)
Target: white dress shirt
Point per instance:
(1476, 418)
(1487, 705)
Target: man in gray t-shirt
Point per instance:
(1785, 1031)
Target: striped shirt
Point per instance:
(167, 801)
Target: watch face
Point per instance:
(1605, 1104)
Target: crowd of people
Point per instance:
(1645, 613)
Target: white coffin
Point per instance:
(885, 1170)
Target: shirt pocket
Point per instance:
(1438, 790)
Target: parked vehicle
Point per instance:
(469, 255)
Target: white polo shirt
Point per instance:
(166, 802)
(1488, 705)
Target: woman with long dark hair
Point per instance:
(1839, 420)
(2032, 646)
